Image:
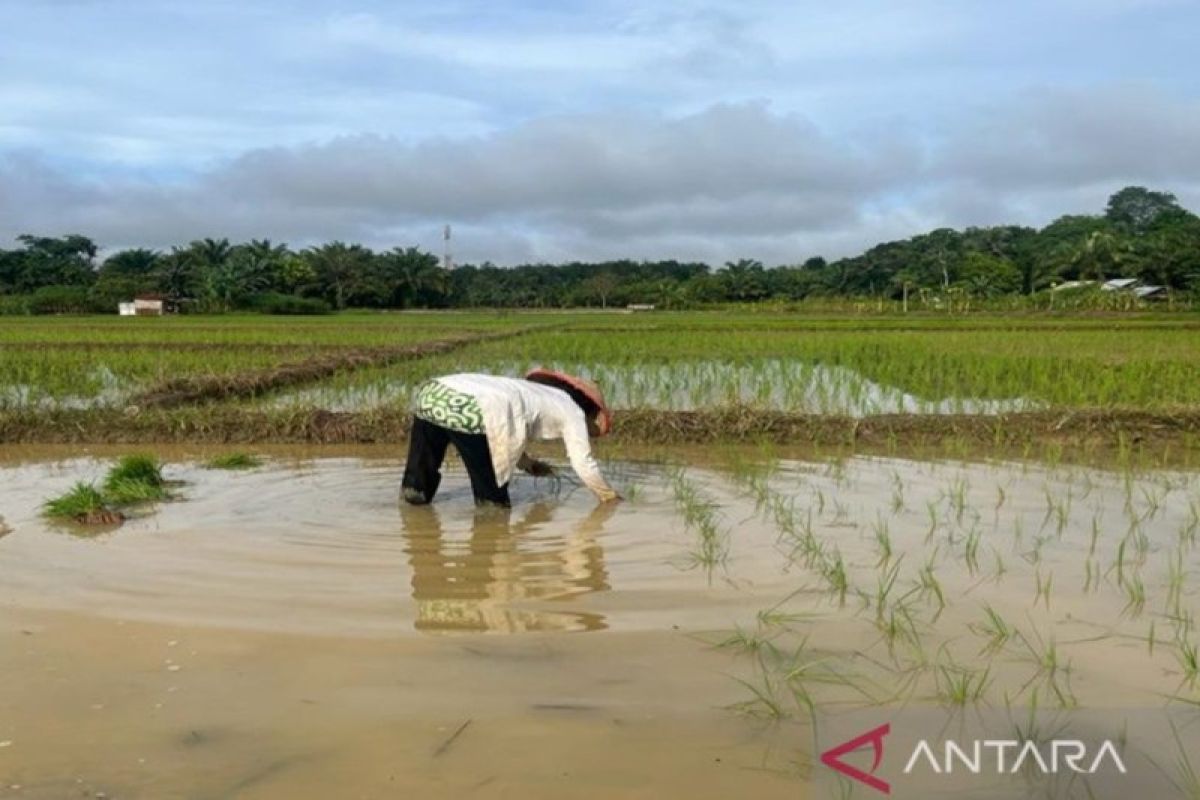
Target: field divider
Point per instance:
(252, 383)
(1016, 434)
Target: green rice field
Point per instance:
(669, 361)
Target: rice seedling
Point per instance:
(1034, 556)
(1182, 624)
(1184, 777)
(1135, 593)
(1049, 667)
(971, 550)
(743, 641)
(700, 515)
(125, 492)
(1043, 587)
(931, 509)
(1189, 528)
(83, 503)
(1153, 502)
(135, 479)
(957, 498)
(1091, 575)
(1095, 535)
(883, 540)
(234, 461)
(1000, 569)
(898, 504)
(138, 468)
(1119, 565)
(833, 570)
(775, 617)
(899, 624)
(958, 686)
(885, 583)
(765, 702)
(1176, 575)
(929, 584)
(1187, 654)
(994, 628)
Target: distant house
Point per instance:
(1067, 285)
(1120, 285)
(1134, 286)
(1148, 292)
(143, 305)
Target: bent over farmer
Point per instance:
(489, 419)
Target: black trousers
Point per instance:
(427, 444)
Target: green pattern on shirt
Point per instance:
(441, 405)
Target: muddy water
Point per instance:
(324, 547)
(293, 631)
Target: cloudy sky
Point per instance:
(555, 129)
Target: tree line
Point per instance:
(1142, 234)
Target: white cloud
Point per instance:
(769, 129)
(731, 181)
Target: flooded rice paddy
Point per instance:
(778, 384)
(806, 387)
(294, 631)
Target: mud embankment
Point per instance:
(1005, 432)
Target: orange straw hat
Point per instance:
(585, 393)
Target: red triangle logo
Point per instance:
(832, 758)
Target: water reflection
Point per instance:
(501, 572)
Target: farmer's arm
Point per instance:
(579, 451)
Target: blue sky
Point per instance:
(556, 130)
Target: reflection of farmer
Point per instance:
(503, 577)
(489, 420)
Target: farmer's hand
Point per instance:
(538, 468)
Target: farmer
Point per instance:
(489, 420)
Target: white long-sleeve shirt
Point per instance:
(515, 411)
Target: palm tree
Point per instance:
(338, 266)
(744, 279)
(415, 276)
(178, 273)
(211, 252)
(259, 263)
(1099, 255)
(138, 261)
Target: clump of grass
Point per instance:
(84, 504)
(234, 461)
(136, 468)
(135, 479)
